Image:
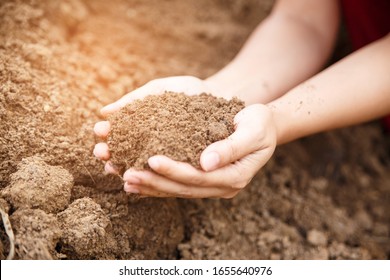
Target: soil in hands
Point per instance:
(171, 124)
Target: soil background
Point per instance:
(323, 197)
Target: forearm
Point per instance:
(283, 51)
(354, 90)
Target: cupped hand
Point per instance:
(188, 84)
(227, 165)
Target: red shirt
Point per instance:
(367, 21)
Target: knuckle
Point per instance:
(185, 193)
(164, 170)
(192, 176)
(230, 195)
(232, 148)
(240, 185)
(146, 179)
(240, 180)
(234, 185)
(195, 179)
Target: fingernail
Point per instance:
(110, 168)
(210, 161)
(133, 180)
(101, 151)
(101, 126)
(94, 151)
(130, 188)
(154, 163)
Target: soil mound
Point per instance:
(39, 185)
(36, 234)
(87, 231)
(171, 124)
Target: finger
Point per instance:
(101, 151)
(178, 171)
(150, 183)
(110, 168)
(146, 191)
(102, 128)
(230, 177)
(139, 93)
(246, 139)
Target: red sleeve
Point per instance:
(366, 20)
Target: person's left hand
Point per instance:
(227, 165)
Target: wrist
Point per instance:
(282, 121)
(224, 84)
(231, 83)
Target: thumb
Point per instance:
(248, 138)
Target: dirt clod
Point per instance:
(86, 230)
(36, 234)
(171, 124)
(39, 185)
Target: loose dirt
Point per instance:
(171, 124)
(323, 197)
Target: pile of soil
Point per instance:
(324, 197)
(38, 185)
(171, 124)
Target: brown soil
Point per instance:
(39, 185)
(86, 230)
(324, 197)
(171, 124)
(36, 234)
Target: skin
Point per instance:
(276, 74)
